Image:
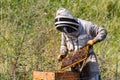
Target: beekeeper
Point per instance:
(76, 33)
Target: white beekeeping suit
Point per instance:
(76, 33)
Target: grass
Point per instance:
(29, 41)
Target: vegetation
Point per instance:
(29, 40)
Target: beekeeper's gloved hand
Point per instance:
(61, 57)
(91, 42)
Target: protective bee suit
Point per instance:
(76, 33)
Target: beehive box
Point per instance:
(37, 75)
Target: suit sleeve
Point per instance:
(97, 32)
(63, 47)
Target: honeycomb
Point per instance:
(80, 55)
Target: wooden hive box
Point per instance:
(37, 75)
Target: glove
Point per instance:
(61, 57)
(91, 42)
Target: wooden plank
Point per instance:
(37, 75)
(67, 76)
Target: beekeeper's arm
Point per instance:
(98, 33)
(63, 48)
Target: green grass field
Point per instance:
(29, 40)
